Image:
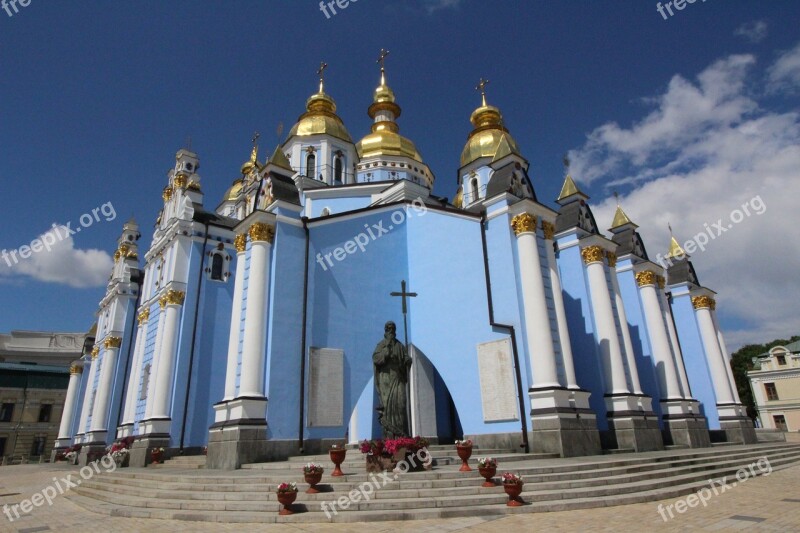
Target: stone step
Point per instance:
(405, 508)
(358, 462)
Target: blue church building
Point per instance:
(249, 327)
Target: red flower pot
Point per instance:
(464, 453)
(513, 490)
(487, 473)
(286, 499)
(313, 480)
(337, 456)
(156, 456)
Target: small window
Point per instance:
(781, 359)
(780, 422)
(37, 448)
(772, 392)
(473, 184)
(217, 262)
(311, 165)
(3, 446)
(338, 169)
(45, 411)
(6, 412)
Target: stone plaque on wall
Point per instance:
(498, 387)
(326, 387)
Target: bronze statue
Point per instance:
(391, 364)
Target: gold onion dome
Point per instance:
(385, 138)
(489, 138)
(233, 193)
(320, 117)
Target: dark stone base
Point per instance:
(640, 434)
(229, 447)
(770, 435)
(140, 450)
(91, 452)
(506, 441)
(691, 432)
(740, 430)
(568, 437)
(56, 451)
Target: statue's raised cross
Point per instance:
(482, 88)
(256, 135)
(403, 294)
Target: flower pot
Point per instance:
(379, 463)
(337, 456)
(513, 490)
(464, 453)
(487, 473)
(313, 480)
(286, 499)
(157, 457)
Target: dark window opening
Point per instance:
(216, 267)
(6, 412)
(45, 411)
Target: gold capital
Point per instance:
(95, 352)
(523, 223)
(645, 277)
(112, 342)
(75, 370)
(260, 232)
(240, 242)
(548, 229)
(612, 259)
(180, 181)
(144, 316)
(703, 302)
(592, 254)
(172, 298)
(167, 193)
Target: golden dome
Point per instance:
(458, 201)
(489, 138)
(320, 118)
(233, 193)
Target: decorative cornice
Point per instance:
(645, 278)
(144, 316)
(592, 254)
(172, 298)
(523, 223)
(167, 194)
(260, 232)
(74, 370)
(703, 302)
(612, 259)
(112, 342)
(549, 230)
(240, 242)
(95, 352)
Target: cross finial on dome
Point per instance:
(321, 73)
(382, 62)
(482, 88)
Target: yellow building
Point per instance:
(776, 387)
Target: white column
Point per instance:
(171, 308)
(236, 316)
(87, 394)
(537, 319)
(151, 382)
(726, 355)
(610, 350)
(561, 315)
(64, 433)
(630, 356)
(254, 347)
(657, 333)
(673, 340)
(101, 402)
(716, 362)
(129, 414)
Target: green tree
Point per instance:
(742, 361)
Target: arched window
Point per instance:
(473, 185)
(217, 264)
(338, 169)
(311, 165)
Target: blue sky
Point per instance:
(686, 118)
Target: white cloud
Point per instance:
(754, 31)
(436, 5)
(706, 149)
(62, 263)
(784, 74)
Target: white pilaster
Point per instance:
(673, 340)
(101, 402)
(630, 357)
(87, 394)
(659, 340)
(171, 304)
(129, 414)
(716, 361)
(151, 384)
(537, 320)
(726, 355)
(64, 434)
(236, 316)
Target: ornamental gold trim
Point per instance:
(612, 259)
(172, 298)
(74, 370)
(260, 232)
(144, 316)
(661, 281)
(703, 302)
(240, 242)
(180, 181)
(523, 223)
(95, 352)
(193, 186)
(645, 278)
(167, 194)
(592, 254)
(112, 342)
(549, 230)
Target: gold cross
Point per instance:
(321, 72)
(482, 88)
(382, 58)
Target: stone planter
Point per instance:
(487, 473)
(464, 453)
(313, 480)
(337, 455)
(513, 490)
(286, 499)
